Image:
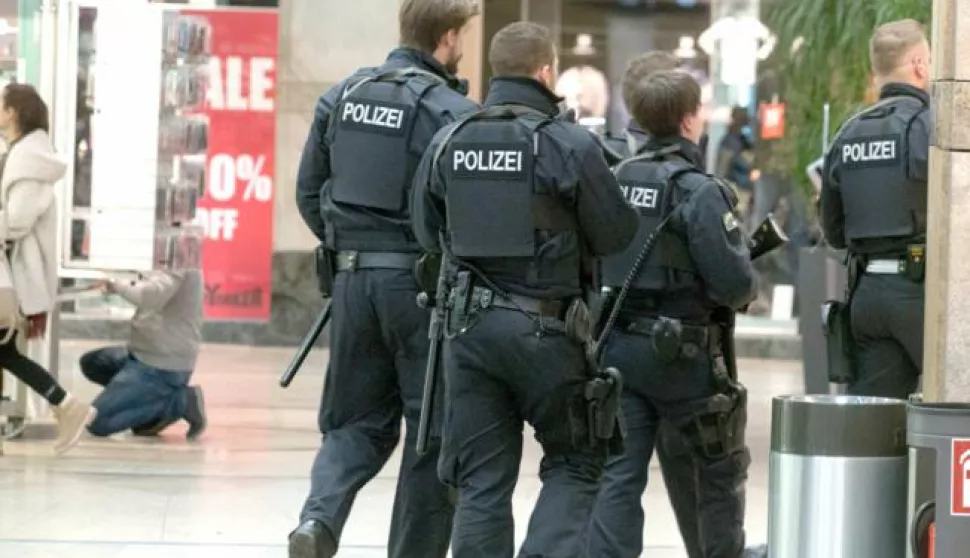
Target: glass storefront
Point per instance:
(724, 45)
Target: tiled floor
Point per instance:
(237, 493)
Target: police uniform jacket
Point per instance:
(619, 145)
(722, 274)
(343, 226)
(873, 198)
(570, 167)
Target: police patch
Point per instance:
(730, 221)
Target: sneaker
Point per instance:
(73, 416)
(195, 414)
(312, 540)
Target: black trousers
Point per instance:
(660, 401)
(887, 326)
(501, 372)
(378, 351)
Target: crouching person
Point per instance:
(146, 383)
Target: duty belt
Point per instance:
(886, 267)
(704, 336)
(351, 261)
(485, 298)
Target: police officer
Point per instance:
(673, 450)
(522, 198)
(366, 140)
(627, 144)
(672, 336)
(874, 204)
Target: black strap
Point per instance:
(350, 261)
(395, 75)
(546, 308)
(705, 336)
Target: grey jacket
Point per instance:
(166, 328)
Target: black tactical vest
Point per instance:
(371, 163)
(879, 199)
(495, 205)
(654, 188)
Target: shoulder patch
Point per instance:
(730, 221)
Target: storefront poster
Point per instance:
(236, 211)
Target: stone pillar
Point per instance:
(321, 42)
(946, 374)
(726, 95)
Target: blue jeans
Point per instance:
(135, 394)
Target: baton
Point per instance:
(306, 344)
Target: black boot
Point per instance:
(312, 540)
(153, 428)
(195, 414)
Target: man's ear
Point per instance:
(449, 39)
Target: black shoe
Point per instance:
(195, 414)
(312, 540)
(153, 428)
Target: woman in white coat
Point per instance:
(29, 217)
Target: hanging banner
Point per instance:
(772, 121)
(236, 211)
(960, 484)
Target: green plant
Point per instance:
(831, 65)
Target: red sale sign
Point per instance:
(960, 484)
(236, 212)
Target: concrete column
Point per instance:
(472, 66)
(946, 372)
(321, 42)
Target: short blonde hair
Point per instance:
(891, 41)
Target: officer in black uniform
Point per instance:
(673, 450)
(627, 144)
(874, 204)
(522, 199)
(366, 141)
(672, 336)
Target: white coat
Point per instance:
(30, 214)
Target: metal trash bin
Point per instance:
(939, 436)
(837, 477)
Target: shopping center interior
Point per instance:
(183, 123)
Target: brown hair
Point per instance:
(31, 110)
(424, 22)
(641, 67)
(663, 99)
(890, 42)
(521, 49)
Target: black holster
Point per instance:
(602, 391)
(326, 270)
(718, 429)
(839, 345)
(425, 271)
(915, 263)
